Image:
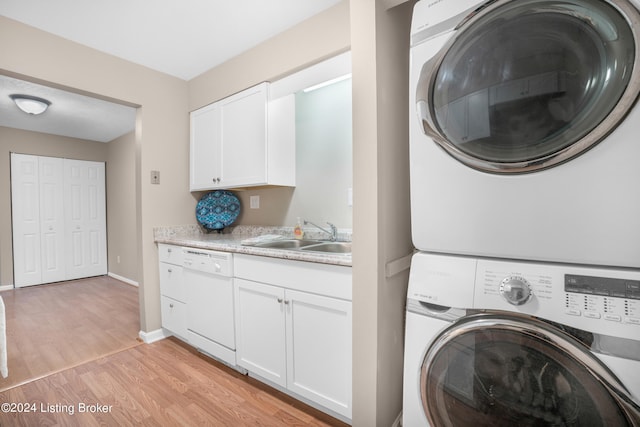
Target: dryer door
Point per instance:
(526, 85)
(507, 369)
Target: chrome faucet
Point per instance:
(333, 233)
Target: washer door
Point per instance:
(525, 85)
(506, 369)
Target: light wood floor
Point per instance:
(56, 326)
(166, 383)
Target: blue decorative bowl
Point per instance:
(217, 210)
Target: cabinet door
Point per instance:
(244, 137)
(174, 316)
(319, 349)
(205, 148)
(260, 330)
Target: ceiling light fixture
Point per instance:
(30, 104)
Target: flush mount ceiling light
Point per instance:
(30, 104)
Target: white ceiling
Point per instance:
(181, 38)
(70, 114)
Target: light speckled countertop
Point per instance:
(230, 241)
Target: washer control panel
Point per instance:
(605, 301)
(611, 299)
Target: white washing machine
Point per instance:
(504, 343)
(524, 129)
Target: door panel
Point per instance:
(52, 219)
(86, 222)
(26, 223)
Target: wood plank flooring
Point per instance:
(166, 383)
(161, 384)
(56, 326)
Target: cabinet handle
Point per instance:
(169, 250)
(169, 270)
(280, 300)
(171, 305)
(286, 302)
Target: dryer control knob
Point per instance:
(516, 290)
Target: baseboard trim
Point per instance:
(123, 279)
(153, 336)
(6, 288)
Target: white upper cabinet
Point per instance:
(206, 148)
(243, 141)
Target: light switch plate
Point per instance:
(254, 202)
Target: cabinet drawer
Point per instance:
(170, 254)
(171, 283)
(174, 316)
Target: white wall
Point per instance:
(323, 156)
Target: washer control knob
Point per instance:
(516, 290)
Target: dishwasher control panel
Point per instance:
(206, 261)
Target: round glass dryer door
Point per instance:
(525, 85)
(507, 370)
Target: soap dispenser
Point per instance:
(298, 232)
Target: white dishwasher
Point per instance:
(207, 276)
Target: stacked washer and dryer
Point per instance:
(523, 305)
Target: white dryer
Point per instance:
(525, 129)
(497, 343)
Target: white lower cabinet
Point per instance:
(292, 321)
(297, 339)
(260, 330)
(173, 308)
(174, 316)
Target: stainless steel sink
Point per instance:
(330, 247)
(307, 245)
(287, 244)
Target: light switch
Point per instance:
(349, 196)
(155, 177)
(254, 202)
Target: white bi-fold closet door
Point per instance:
(59, 219)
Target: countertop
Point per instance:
(231, 241)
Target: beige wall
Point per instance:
(121, 207)
(381, 216)
(41, 144)
(320, 37)
(161, 139)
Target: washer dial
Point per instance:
(516, 290)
